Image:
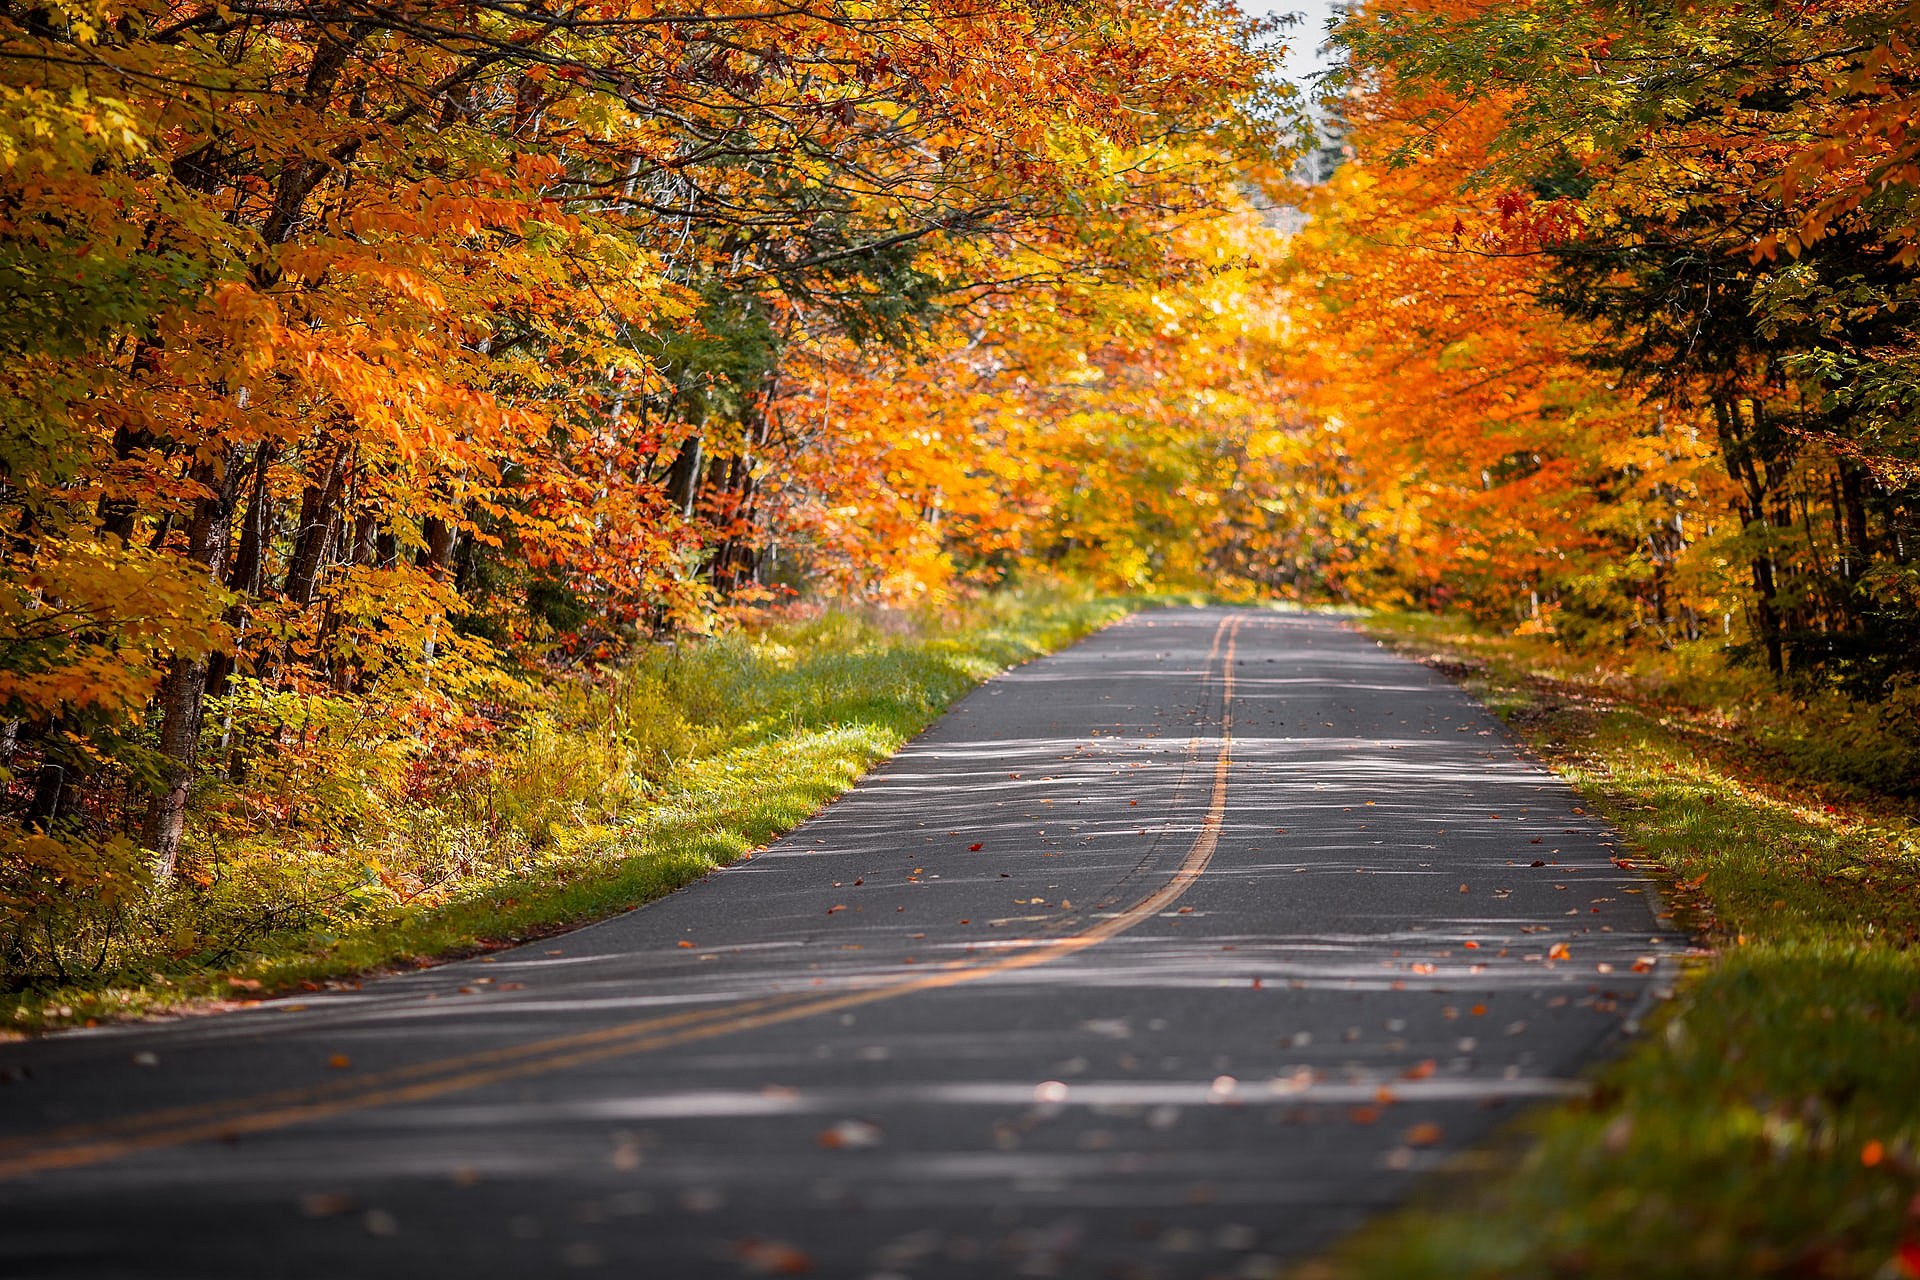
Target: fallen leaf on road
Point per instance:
(339, 1062)
(1420, 1070)
(1423, 1135)
(840, 906)
(1363, 1115)
(324, 1204)
(685, 943)
(849, 1134)
(976, 846)
(1559, 951)
(1643, 964)
(772, 1258)
(1421, 967)
(1298, 1082)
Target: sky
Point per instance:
(1305, 38)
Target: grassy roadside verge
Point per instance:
(623, 793)
(1769, 1123)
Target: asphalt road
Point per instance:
(1175, 954)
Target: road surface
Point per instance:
(1175, 954)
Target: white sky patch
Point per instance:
(1303, 38)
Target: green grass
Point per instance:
(621, 791)
(1768, 1122)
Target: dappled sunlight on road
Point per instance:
(1080, 950)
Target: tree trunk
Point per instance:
(438, 555)
(683, 477)
(1853, 485)
(183, 693)
(1736, 452)
(121, 516)
(245, 574)
(320, 515)
(365, 540)
(49, 788)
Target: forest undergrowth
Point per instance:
(1766, 1123)
(613, 792)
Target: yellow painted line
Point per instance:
(84, 1145)
(223, 1111)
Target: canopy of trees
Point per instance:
(1616, 303)
(368, 370)
(359, 359)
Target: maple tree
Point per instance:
(1712, 204)
(365, 363)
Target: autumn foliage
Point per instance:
(366, 364)
(1634, 290)
(376, 378)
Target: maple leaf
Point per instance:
(1423, 1135)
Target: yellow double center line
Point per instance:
(177, 1126)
